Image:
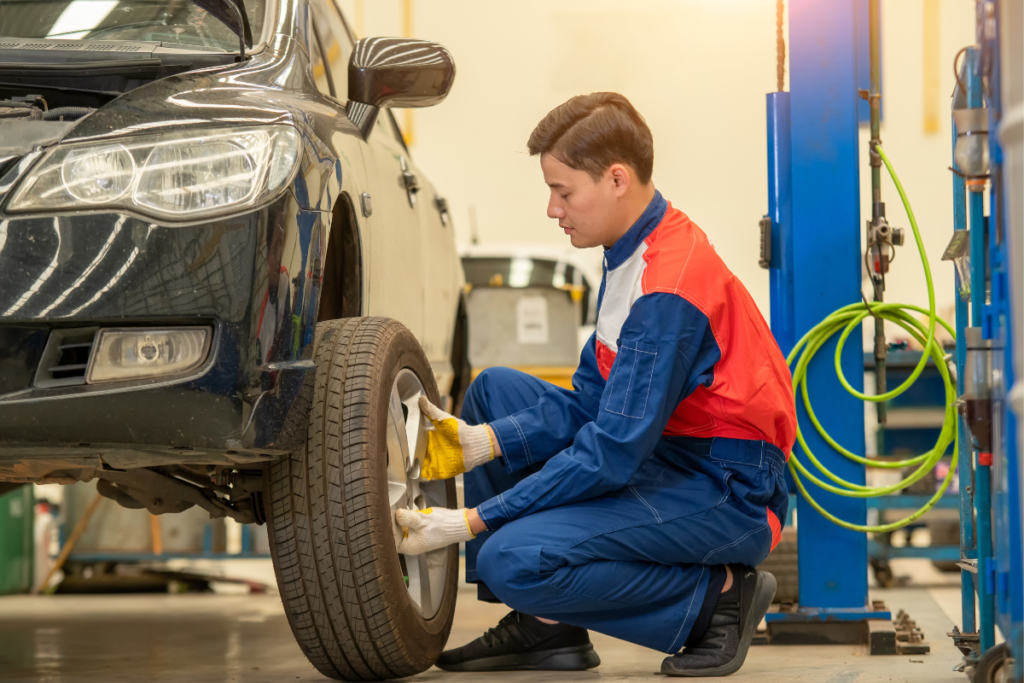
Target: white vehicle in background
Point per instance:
(530, 307)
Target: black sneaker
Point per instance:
(724, 645)
(524, 643)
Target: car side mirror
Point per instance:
(396, 72)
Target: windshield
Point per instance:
(487, 271)
(176, 22)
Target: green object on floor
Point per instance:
(17, 516)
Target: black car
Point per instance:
(225, 284)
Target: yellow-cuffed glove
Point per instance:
(433, 528)
(453, 447)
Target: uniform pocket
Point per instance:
(629, 385)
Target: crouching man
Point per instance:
(637, 504)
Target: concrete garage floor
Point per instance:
(219, 638)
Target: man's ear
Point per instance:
(621, 178)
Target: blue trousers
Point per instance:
(633, 564)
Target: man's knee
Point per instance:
(477, 406)
(504, 565)
(489, 561)
(474, 405)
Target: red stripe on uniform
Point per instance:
(751, 396)
(773, 522)
(605, 359)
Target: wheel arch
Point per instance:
(341, 291)
(461, 366)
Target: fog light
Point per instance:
(134, 353)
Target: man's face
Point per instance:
(586, 209)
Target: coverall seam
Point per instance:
(501, 501)
(643, 523)
(625, 395)
(698, 303)
(688, 608)
(522, 437)
(485, 520)
(760, 463)
(590, 597)
(615, 530)
(644, 501)
(504, 451)
(611, 385)
(632, 371)
(729, 545)
(710, 424)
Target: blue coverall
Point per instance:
(611, 503)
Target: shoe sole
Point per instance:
(579, 658)
(764, 593)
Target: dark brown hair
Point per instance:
(592, 132)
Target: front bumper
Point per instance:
(253, 278)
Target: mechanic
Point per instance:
(637, 504)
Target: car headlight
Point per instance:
(181, 176)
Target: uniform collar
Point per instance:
(644, 226)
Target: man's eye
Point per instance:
(565, 196)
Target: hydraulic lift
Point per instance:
(811, 244)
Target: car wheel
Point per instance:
(359, 610)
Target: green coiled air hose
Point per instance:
(846, 320)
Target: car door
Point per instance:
(398, 283)
(444, 278)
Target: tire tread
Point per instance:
(321, 521)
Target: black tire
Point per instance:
(329, 521)
(992, 665)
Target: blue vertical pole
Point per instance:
(780, 210)
(976, 201)
(983, 469)
(826, 271)
(986, 587)
(963, 438)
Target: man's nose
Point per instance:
(555, 211)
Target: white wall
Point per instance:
(698, 71)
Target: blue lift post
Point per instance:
(982, 472)
(816, 269)
(992, 543)
(965, 453)
(1001, 578)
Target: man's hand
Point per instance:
(433, 528)
(453, 447)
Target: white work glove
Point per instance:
(453, 447)
(432, 528)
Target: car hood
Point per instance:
(261, 90)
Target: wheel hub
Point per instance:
(407, 444)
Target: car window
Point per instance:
(171, 22)
(509, 272)
(323, 83)
(485, 271)
(337, 46)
